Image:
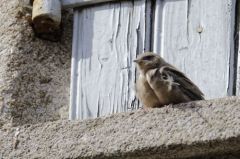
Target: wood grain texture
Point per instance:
(106, 40)
(197, 37)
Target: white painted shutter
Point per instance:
(197, 37)
(194, 35)
(106, 40)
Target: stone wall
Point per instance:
(34, 73)
(196, 130)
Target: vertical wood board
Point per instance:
(237, 48)
(197, 37)
(106, 40)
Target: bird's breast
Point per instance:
(146, 94)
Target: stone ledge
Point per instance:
(204, 128)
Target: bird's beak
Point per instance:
(136, 61)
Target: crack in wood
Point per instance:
(188, 17)
(148, 25)
(235, 64)
(118, 21)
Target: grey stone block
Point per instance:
(204, 129)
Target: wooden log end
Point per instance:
(47, 19)
(46, 28)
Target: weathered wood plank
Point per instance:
(106, 40)
(197, 36)
(80, 3)
(46, 17)
(237, 47)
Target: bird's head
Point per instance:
(148, 60)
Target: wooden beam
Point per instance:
(79, 3)
(46, 17)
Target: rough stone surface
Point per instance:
(34, 74)
(204, 129)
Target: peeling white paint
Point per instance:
(197, 37)
(194, 35)
(106, 41)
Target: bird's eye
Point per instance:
(148, 58)
(164, 77)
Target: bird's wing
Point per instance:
(185, 84)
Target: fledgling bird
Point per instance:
(160, 83)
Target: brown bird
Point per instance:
(160, 83)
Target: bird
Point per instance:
(160, 83)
